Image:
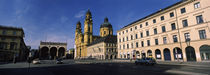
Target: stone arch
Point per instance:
(137, 54)
(205, 52)
(190, 53)
(158, 54)
(149, 53)
(44, 53)
(167, 54)
(53, 52)
(61, 52)
(177, 53)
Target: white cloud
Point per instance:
(80, 14)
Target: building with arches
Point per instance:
(52, 50)
(180, 32)
(92, 46)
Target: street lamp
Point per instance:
(187, 41)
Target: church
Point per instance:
(88, 45)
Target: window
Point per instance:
(127, 38)
(199, 19)
(154, 20)
(148, 42)
(119, 40)
(140, 25)
(147, 32)
(123, 39)
(120, 47)
(173, 26)
(146, 23)
(13, 39)
(136, 36)
(123, 46)
(3, 38)
(163, 29)
(135, 27)
(126, 31)
(142, 43)
(156, 41)
(162, 18)
(14, 32)
(187, 36)
(123, 32)
(127, 46)
(141, 35)
(131, 45)
(202, 34)
(104, 32)
(137, 44)
(175, 38)
(119, 34)
(185, 23)
(4, 32)
(183, 10)
(155, 31)
(164, 40)
(131, 29)
(197, 5)
(131, 37)
(172, 14)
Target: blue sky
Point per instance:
(55, 20)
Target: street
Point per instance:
(102, 69)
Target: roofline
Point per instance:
(141, 19)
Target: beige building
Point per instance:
(103, 48)
(180, 32)
(52, 50)
(12, 45)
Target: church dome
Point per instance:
(106, 23)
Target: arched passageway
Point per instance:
(53, 52)
(61, 52)
(205, 52)
(190, 53)
(157, 54)
(44, 53)
(167, 54)
(149, 53)
(177, 53)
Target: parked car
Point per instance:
(36, 61)
(59, 61)
(146, 61)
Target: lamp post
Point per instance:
(188, 41)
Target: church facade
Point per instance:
(87, 39)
